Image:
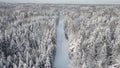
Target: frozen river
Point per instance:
(61, 58)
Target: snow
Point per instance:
(61, 58)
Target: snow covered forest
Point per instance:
(93, 34)
(28, 35)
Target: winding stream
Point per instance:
(61, 57)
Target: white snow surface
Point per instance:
(61, 58)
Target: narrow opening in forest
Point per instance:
(61, 57)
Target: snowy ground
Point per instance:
(61, 57)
